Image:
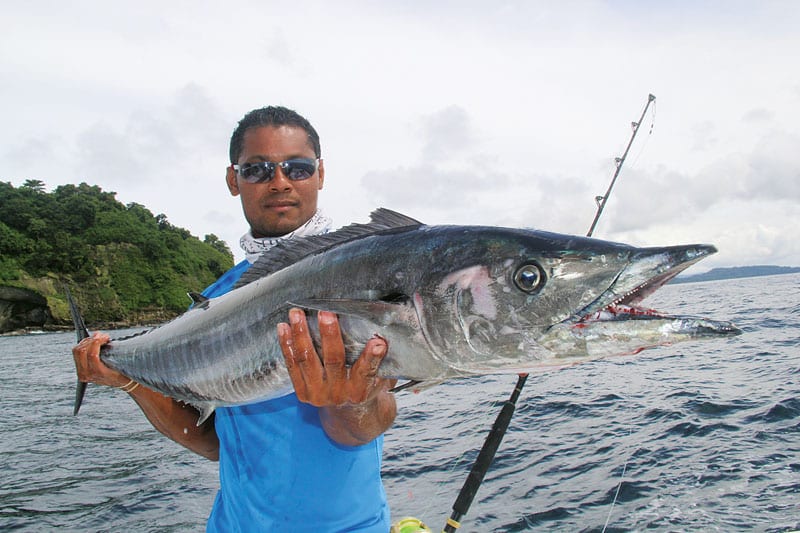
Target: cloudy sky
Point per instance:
(458, 111)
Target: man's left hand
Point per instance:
(329, 381)
(355, 404)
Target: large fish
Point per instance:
(450, 300)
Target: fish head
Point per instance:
(494, 313)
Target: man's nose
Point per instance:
(279, 181)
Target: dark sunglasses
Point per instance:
(263, 171)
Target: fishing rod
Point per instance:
(601, 200)
(500, 426)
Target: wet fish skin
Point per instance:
(450, 300)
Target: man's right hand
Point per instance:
(89, 366)
(176, 420)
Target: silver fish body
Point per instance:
(450, 300)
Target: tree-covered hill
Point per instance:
(122, 263)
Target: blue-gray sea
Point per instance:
(701, 436)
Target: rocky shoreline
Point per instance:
(22, 308)
(24, 311)
(61, 328)
(35, 331)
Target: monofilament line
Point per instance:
(619, 487)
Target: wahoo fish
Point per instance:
(451, 301)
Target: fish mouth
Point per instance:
(615, 324)
(648, 269)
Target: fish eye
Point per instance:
(529, 278)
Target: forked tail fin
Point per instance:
(82, 332)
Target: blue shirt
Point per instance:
(279, 470)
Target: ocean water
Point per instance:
(701, 436)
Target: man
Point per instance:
(309, 461)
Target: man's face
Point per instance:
(278, 206)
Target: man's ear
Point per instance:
(321, 170)
(230, 179)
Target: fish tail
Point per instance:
(82, 333)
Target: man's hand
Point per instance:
(330, 382)
(89, 366)
(355, 403)
(174, 419)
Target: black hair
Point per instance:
(271, 116)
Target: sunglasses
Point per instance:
(263, 171)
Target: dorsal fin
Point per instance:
(288, 252)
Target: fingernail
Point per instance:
(379, 349)
(325, 318)
(294, 316)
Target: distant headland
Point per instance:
(737, 272)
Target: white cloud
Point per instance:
(506, 113)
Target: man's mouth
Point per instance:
(280, 205)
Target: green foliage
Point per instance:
(217, 243)
(120, 261)
(35, 185)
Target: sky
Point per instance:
(507, 113)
